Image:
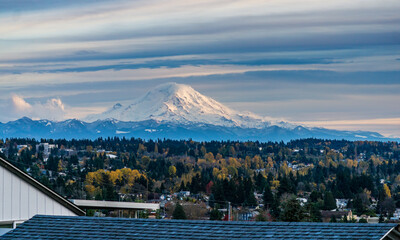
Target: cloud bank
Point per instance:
(52, 109)
(304, 60)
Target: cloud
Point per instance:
(158, 28)
(20, 105)
(52, 109)
(304, 60)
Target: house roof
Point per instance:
(52, 194)
(63, 227)
(328, 214)
(95, 204)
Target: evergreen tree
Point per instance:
(251, 200)
(275, 208)
(270, 178)
(215, 214)
(98, 196)
(240, 193)
(211, 200)
(358, 206)
(268, 197)
(195, 185)
(218, 191)
(285, 186)
(329, 201)
(292, 211)
(260, 182)
(314, 196)
(179, 213)
(162, 188)
(333, 219)
(109, 192)
(182, 187)
(315, 213)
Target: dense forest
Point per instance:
(365, 173)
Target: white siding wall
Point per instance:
(21, 201)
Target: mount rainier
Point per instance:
(179, 103)
(176, 111)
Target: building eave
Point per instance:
(50, 193)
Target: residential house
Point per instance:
(22, 197)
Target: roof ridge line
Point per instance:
(47, 191)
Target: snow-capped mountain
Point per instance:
(176, 111)
(179, 103)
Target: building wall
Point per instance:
(20, 201)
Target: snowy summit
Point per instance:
(179, 103)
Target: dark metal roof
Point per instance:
(27, 178)
(61, 227)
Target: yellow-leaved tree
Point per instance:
(387, 190)
(172, 171)
(94, 180)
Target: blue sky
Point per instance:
(327, 63)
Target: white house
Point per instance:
(22, 197)
(342, 203)
(46, 148)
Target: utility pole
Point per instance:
(229, 211)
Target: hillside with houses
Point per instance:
(302, 180)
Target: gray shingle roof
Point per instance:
(62, 227)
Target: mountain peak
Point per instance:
(180, 103)
(171, 89)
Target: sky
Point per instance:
(334, 64)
